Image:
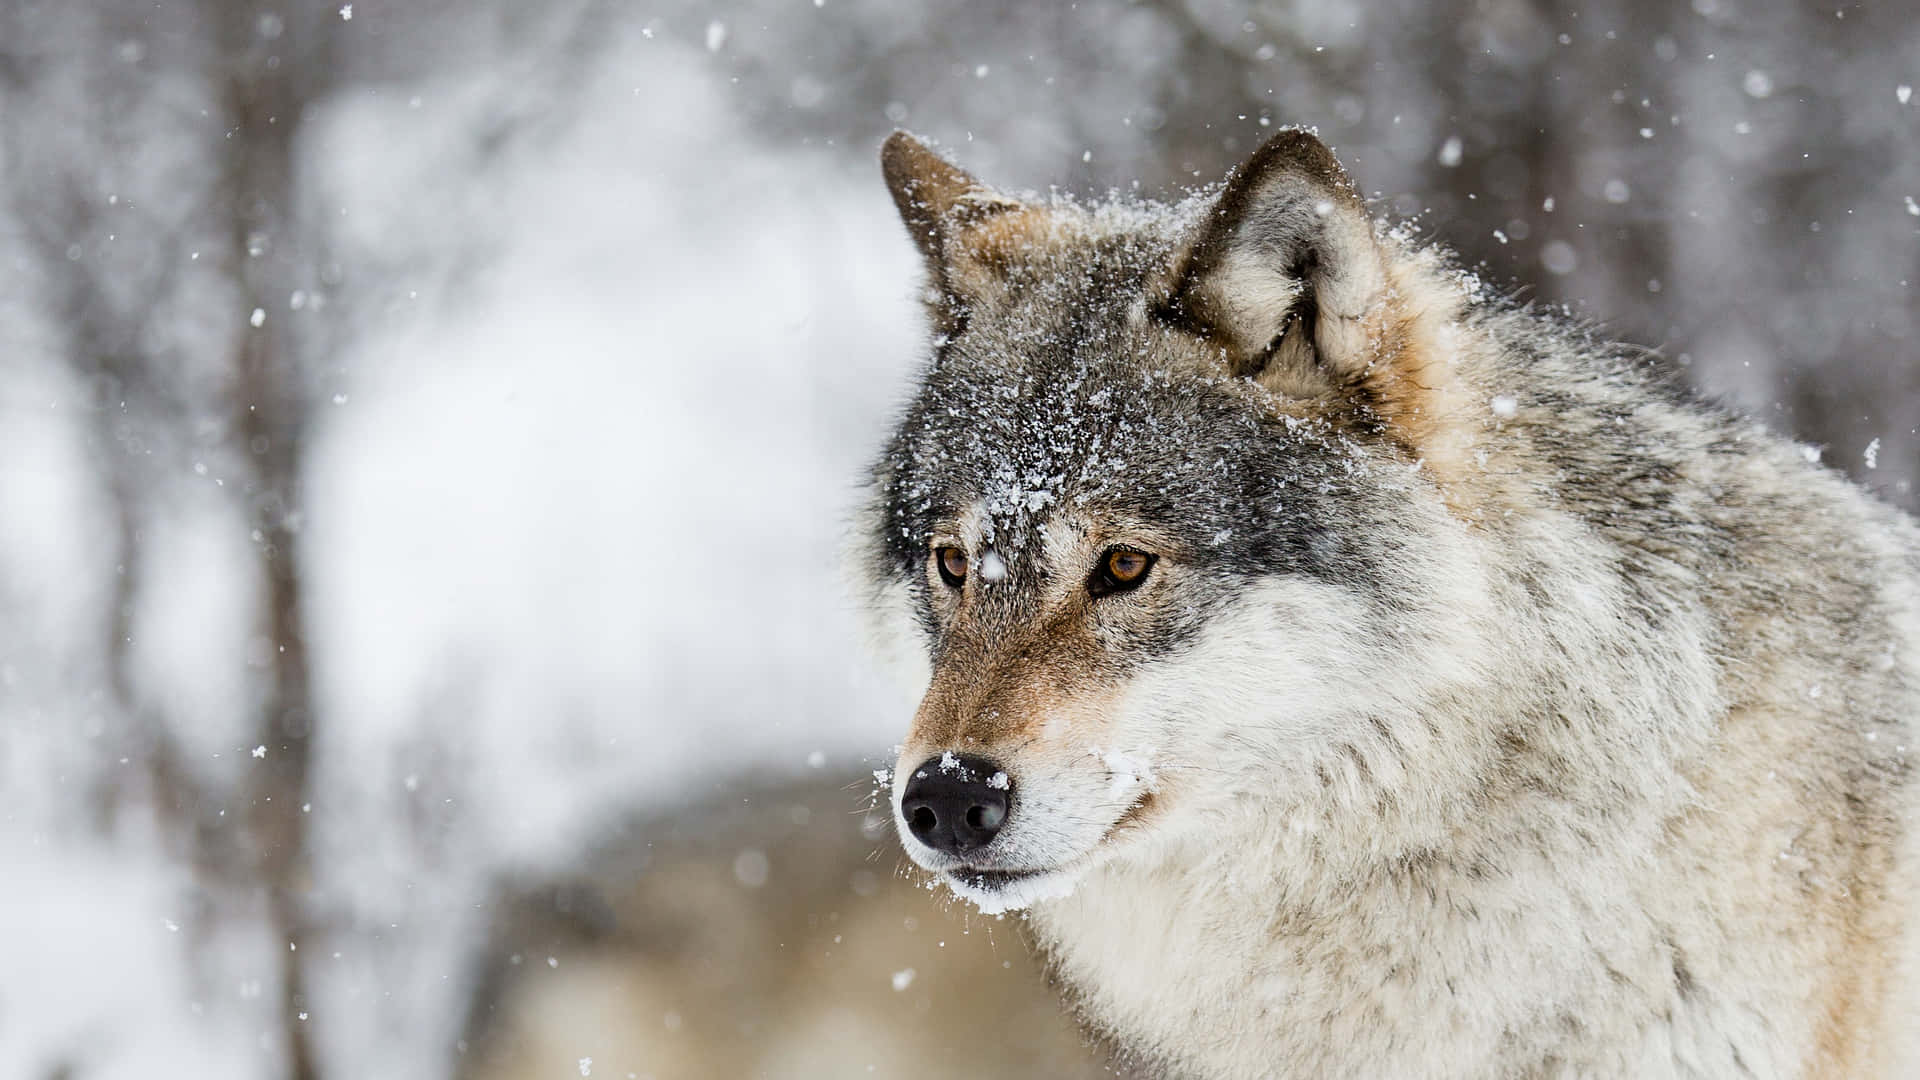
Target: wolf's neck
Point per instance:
(1270, 951)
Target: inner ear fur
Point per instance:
(1286, 274)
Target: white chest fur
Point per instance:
(1238, 967)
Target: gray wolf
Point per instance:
(1356, 674)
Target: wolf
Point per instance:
(1351, 672)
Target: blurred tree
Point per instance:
(172, 300)
(273, 67)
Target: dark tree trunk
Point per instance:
(271, 76)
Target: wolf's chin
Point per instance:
(996, 892)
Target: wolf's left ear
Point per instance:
(1285, 272)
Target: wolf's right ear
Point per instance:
(1285, 271)
(939, 202)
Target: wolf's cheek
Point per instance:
(1274, 675)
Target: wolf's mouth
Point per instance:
(996, 892)
(993, 880)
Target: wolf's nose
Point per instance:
(955, 804)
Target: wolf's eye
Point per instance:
(1120, 569)
(952, 563)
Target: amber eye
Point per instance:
(952, 563)
(1120, 569)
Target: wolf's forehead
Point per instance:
(1067, 440)
(1062, 402)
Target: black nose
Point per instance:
(955, 804)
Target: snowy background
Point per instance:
(428, 430)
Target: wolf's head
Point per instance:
(1169, 515)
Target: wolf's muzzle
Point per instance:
(955, 804)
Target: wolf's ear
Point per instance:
(938, 201)
(1285, 271)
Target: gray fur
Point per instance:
(1497, 708)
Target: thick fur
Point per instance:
(1494, 708)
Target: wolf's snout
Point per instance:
(955, 804)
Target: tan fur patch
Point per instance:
(1412, 381)
(1853, 1033)
(1005, 237)
(983, 255)
(988, 693)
